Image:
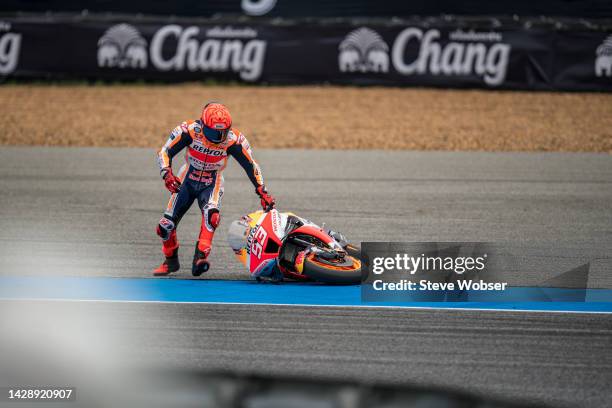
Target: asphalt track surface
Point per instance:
(92, 212)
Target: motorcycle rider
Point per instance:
(209, 141)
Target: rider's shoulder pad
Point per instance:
(186, 126)
(234, 136)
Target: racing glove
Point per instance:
(173, 184)
(267, 201)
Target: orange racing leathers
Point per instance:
(202, 179)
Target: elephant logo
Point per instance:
(603, 62)
(363, 50)
(122, 46)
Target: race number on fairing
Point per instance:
(258, 241)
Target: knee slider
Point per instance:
(165, 228)
(210, 218)
(214, 218)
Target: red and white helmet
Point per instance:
(216, 121)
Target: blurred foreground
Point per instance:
(190, 355)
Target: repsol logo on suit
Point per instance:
(206, 150)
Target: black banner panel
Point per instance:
(321, 8)
(435, 53)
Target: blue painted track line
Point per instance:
(247, 292)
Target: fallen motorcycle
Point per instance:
(300, 249)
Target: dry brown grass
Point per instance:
(311, 117)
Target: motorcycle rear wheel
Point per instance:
(346, 271)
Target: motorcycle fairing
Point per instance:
(265, 232)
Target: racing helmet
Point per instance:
(216, 122)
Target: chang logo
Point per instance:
(10, 46)
(603, 62)
(122, 46)
(215, 49)
(466, 53)
(418, 51)
(363, 50)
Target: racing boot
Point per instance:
(200, 259)
(210, 222)
(170, 264)
(170, 247)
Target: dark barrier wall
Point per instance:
(323, 8)
(423, 53)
